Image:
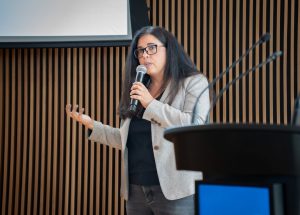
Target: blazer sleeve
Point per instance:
(105, 134)
(165, 115)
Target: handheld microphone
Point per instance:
(264, 38)
(268, 60)
(141, 71)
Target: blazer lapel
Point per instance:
(124, 132)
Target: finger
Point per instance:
(75, 108)
(81, 110)
(137, 97)
(141, 88)
(134, 87)
(135, 92)
(138, 84)
(68, 108)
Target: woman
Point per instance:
(151, 184)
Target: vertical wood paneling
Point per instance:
(6, 134)
(91, 111)
(185, 28)
(154, 13)
(37, 133)
(19, 132)
(68, 137)
(110, 149)
(218, 22)
(191, 30)
(292, 45)
(237, 71)
(210, 43)
(278, 87)
(263, 85)
(31, 130)
(63, 126)
(117, 166)
(271, 71)
(244, 90)
(257, 60)
(285, 59)
(223, 54)
(87, 159)
(74, 136)
(124, 53)
(166, 13)
(204, 22)
(12, 132)
(160, 16)
(49, 132)
(105, 121)
(55, 133)
(179, 22)
(43, 128)
(98, 153)
(79, 191)
(230, 38)
(24, 189)
(198, 27)
(250, 97)
(173, 17)
(47, 166)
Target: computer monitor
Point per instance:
(237, 199)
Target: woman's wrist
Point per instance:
(90, 124)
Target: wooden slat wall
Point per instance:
(215, 33)
(46, 164)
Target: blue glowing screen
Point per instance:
(232, 200)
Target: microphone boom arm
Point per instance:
(268, 60)
(264, 38)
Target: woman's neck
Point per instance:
(155, 88)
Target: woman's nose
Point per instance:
(145, 54)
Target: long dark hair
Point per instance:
(178, 66)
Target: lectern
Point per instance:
(243, 153)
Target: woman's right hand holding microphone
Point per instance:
(79, 116)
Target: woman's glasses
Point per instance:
(150, 50)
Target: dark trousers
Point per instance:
(149, 200)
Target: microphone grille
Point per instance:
(141, 68)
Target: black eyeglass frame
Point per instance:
(146, 49)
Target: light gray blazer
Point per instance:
(175, 184)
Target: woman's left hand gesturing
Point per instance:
(141, 93)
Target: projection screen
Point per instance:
(38, 21)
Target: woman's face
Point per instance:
(151, 53)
